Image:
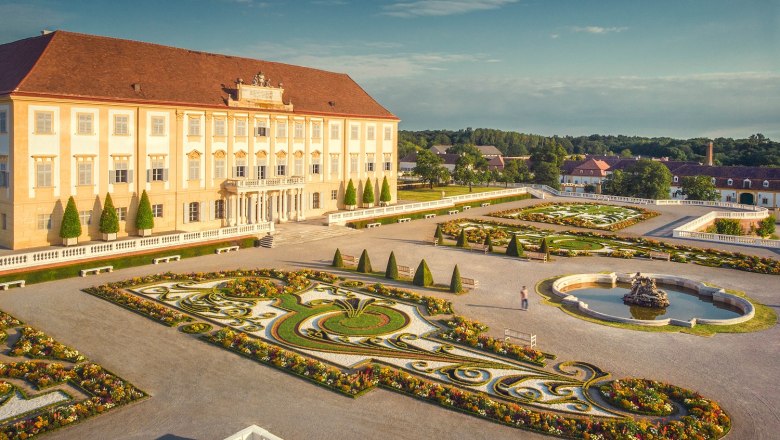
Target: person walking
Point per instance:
(524, 298)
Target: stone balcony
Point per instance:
(253, 185)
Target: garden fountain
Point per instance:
(645, 293)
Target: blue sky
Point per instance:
(681, 68)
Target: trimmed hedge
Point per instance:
(392, 267)
(364, 265)
(71, 224)
(423, 276)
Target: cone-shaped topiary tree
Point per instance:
(391, 272)
(350, 195)
(385, 195)
(109, 222)
(423, 276)
(544, 247)
(368, 193)
(456, 286)
(71, 224)
(364, 265)
(144, 219)
(462, 242)
(438, 235)
(489, 243)
(514, 248)
(338, 261)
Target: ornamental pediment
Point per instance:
(260, 93)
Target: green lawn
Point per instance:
(427, 194)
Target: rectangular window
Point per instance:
(240, 168)
(85, 217)
(43, 174)
(121, 213)
(298, 130)
(281, 129)
(121, 125)
(298, 166)
(353, 163)
(388, 166)
(219, 209)
(194, 168)
(240, 127)
(193, 125)
(157, 210)
(158, 171)
(219, 168)
(261, 130)
(44, 221)
(281, 170)
(121, 174)
(334, 194)
(5, 221)
(219, 127)
(3, 122)
(369, 162)
(354, 132)
(4, 179)
(334, 131)
(158, 125)
(85, 123)
(315, 200)
(194, 212)
(44, 122)
(260, 171)
(334, 163)
(388, 133)
(316, 130)
(85, 172)
(315, 168)
(370, 133)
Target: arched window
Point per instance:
(766, 184)
(746, 183)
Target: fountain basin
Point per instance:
(566, 288)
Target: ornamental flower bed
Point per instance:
(8, 321)
(140, 305)
(640, 396)
(531, 214)
(434, 306)
(311, 369)
(252, 288)
(37, 344)
(468, 332)
(37, 373)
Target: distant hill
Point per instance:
(756, 150)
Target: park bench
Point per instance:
(349, 259)
(536, 256)
(660, 255)
(529, 338)
(9, 284)
(227, 249)
(469, 283)
(466, 207)
(373, 225)
(404, 220)
(96, 270)
(485, 204)
(430, 215)
(406, 271)
(166, 259)
(452, 211)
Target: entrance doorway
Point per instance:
(746, 199)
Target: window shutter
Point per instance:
(129, 176)
(165, 174)
(203, 209)
(186, 214)
(212, 210)
(111, 176)
(148, 176)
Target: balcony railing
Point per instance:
(253, 184)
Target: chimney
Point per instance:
(46, 32)
(710, 154)
(136, 87)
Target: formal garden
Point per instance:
(353, 336)
(500, 235)
(582, 215)
(45, 385)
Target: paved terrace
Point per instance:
(199, 391)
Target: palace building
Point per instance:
(215, 140)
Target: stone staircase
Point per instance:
(292, 233)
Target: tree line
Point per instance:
(756, 150)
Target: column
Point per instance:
(254, 208)
(235, 210)
(283, 204)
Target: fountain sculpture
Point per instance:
(645, 293)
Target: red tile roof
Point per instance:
(66, 64)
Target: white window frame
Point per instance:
(261, 129)
(157, 210)
(44, 222)
(44, 122)
(354, 132)
(334, 163)
(240, 128)
(193, 167)
(220, 127)
(193, 125)
(316, 130)
(281, 169)
(157, 167)
(121, 125)
(121, 171)
(121, 213)
(84, 169)
(388, 133)
(335, 131)
(158, 125)
(43, 173)
(298, 131)
(3, 122)
(193, 212)
(354, 163)
(370, 134)
(86, 123)
(85, 218)
(281, 129)
(220, 168)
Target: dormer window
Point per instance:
(766, 184)
(676, 179)
(713, 181)
(730, 182)
(746, 183)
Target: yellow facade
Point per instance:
(307, 164)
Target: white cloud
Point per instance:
(555, 36)
(423, 8)
(598, 30)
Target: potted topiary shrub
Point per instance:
(385, 196)
(70, 229)
(368, 195)
(144, 220)
(350, 197)
(109, 221)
